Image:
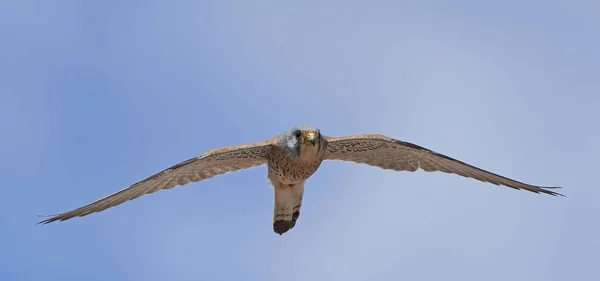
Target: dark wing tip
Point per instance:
(52, 219)
(544, 189)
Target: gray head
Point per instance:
(304, 142)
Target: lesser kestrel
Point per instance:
(291, 158)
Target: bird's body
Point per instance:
(287, 176)
(291, 171)
(292, 158)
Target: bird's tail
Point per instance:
(288, 202)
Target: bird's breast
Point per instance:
(288, 171)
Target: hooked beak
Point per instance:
(310, 137)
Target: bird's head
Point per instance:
(303, 142)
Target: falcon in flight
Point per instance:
(291, 158)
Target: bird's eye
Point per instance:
(297, 133)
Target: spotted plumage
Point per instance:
(292, 158)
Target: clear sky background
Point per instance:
(96, 95)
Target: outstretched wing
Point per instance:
(392, 154)
(213, 163)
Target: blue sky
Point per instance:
(97, 95)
